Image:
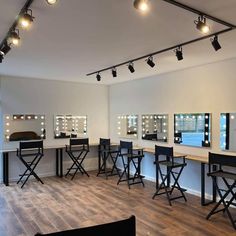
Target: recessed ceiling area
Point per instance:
(76, 37)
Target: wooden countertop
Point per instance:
(191, 157)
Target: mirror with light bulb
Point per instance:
(193, 129)
(155, 127)
(127, 126)
(20, 127)
(228, 131)
(70, 126)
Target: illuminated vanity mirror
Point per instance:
(228, 131)
(193, 129)
(70, 126)
(155, 127)
(128, 126)
(24, 127)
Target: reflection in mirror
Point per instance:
(69, 126)
(193, 129)
(128, 126)
(24, 127)
(155, 127)
(228, 131)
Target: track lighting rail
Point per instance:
(14, 25)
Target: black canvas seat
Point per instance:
(106, 151)
(130, 157)
(228, 194)
(30, 154)
(77, 151)
(173, 169)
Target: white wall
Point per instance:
(209, 88)
(34, 96)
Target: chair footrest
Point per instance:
(174, 198)
(182, 189)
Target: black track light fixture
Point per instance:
(26, 19)
(150, 61)
(1, 57)
(141, 5)
(202, 25)
(14, 38)
(98, 77)
(51, 2)
(179, 53)
(131, 67)
(215, 43)
(114, 72)
(5, 49)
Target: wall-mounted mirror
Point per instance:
(69, 126)
(21, 127)
(155, 127)
(193, 129)
(228, 131)
(128, 126)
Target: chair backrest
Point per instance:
(104, 142)
(79, 141)
(221, 160)
(119, 228)
(165, 151)
(126, 146)
(35, 147)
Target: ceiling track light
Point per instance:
(150, 61)
(51, 2)
(5, 49)
(141, 5)
(26, 19)
(1, 56)
(215, 43)
(98, 77)
(114, 72)
(201, 24)
(131, 67)
(179, 53)
(14, 38)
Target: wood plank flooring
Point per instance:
(62, 204)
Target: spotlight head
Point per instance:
(5, 49)
(1, 57)
(14, 38)
(26, 19)
(131, 67)
(98, 77)
(201, 24)
(51, 2)
(215, 43)
(179, 53)
(114, 72)
(141, 5)
(150, 62)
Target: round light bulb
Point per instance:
(142, 5)
(205, 29)
(51, 2)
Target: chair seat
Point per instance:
(171, 164)
(223, 174)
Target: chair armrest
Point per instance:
(178, 157)
(137, 151)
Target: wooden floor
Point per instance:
(62, 204)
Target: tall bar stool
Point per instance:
(227, 195)
(106, 150)
(77, 151)
(27, 150)
(171, 164)
(130, 157)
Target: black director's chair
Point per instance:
(34, 150)
(105, 151)
(77, 151)
(227, 195)
(171, 164)
(131, 157)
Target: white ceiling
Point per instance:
(76, 37)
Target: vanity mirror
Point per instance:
(155, 127)
(192, 129)
(228, 131)
(128, 126)
(21, 127)
(70, 126)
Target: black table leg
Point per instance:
(57, 163)
(6, 168)
(61, 162)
